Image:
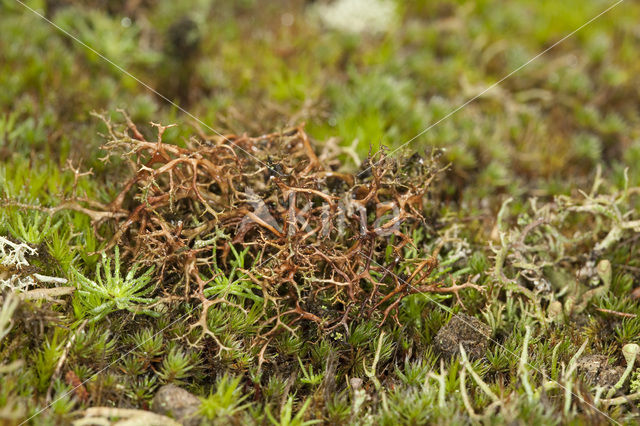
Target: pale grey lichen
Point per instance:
(358, 16)
(13, 254)
(13, 259)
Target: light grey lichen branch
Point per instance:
(13, 254)
(13, 261)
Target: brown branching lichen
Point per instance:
(323, 243)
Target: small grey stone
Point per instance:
(597, 371)
(610, 376)
(463, 329)
(177, 403)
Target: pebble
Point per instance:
(463, 329)
(177, 403)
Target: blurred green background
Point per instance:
(369, 73)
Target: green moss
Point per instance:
(538, 137)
